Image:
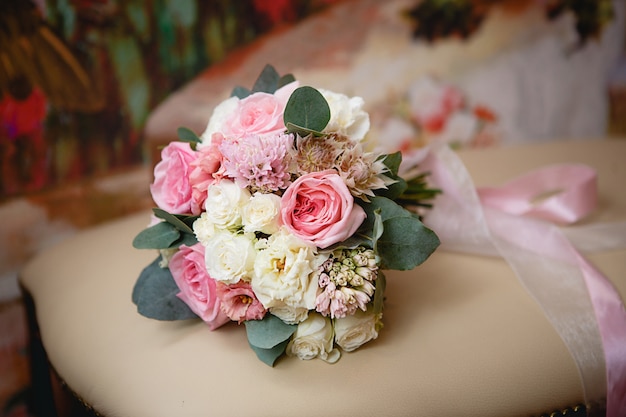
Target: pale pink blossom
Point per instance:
(171, 190)
(239, 302)
(203, 173)
(258, 162)
(197, 288)
(259, 113)
(319, 208)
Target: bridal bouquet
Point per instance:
(279, 218)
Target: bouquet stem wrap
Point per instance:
(504, 222)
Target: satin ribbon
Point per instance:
(514, 222)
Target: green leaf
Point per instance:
(155, 292)
(180, 221)
(187, 135)
(307, 109)
(267, 82)
(187, 239)
(284, 80)
(268, 332)
(301, 131)
(269, 356)
(240, 92)
(160, 236)
(392, 161)
(379, 293)
(405, 242)
(395, 190)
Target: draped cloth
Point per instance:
(521, 222)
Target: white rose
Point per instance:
(203, 228)
(221, 113)
(261, 214)
(347, 116)
(283, 272)
(314, 339)
(288, 314)
(229, 257)
(224, 204)
(355, 330)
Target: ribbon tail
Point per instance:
(580, 303)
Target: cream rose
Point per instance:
(230, 257)
(262, 213)
(347, 116)
(221, 112)
(355, 330)
(288, 314)
(224, 203)
(314, 339)
(283, 272)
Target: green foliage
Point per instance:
(155, 292)
(176, 230)
(269, 337)
(268, 82)
(379, 293)
(404, 242)
(306, 112)
(187, 135)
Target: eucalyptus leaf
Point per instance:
(160, 236)
(240, 92)
(392, 162)
(301, 131)
(187, 135)
(285, 79)
(269, 356)
(405, 243)
(379, 293)
(176, 220)
(155, 292)
(395, 190)
(268, 332)
(267, 82)
(187, 239)
(307, 109)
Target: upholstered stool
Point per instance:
(461, 337)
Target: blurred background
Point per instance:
(91, 89)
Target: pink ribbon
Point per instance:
(513, 221)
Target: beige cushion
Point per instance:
(461, 336)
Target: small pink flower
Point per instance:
(239, 302)
(319, 208)
(171, 190)
(197, 289)
(258, 162)
(203, 170)
(259, 113)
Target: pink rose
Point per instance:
(171, 190)
(197, 288)
(203, 172)
(259, 114)
(239, 302)
(319, 208)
